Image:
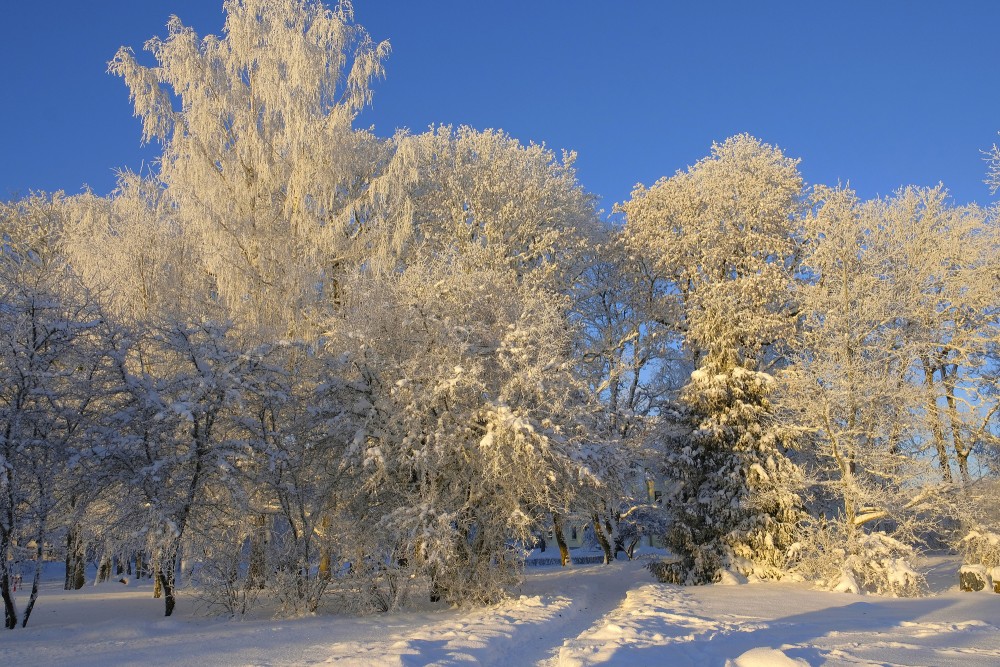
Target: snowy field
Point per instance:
(585, 615)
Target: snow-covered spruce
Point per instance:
(732, 491)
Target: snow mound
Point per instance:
(765, 657)
(731, 578)
(847, 584)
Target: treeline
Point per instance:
(302, 362)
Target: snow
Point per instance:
(765, 657)
(578, 616)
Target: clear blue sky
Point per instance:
(881, 93)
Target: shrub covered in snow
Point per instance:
(222, 581)
(849, 560)
(981, 547)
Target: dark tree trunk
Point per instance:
(324, 550)
(6, 540)
(962, 451)
(937, 430)
(560, 539)
(256, 570)
(75, 561)
(436, 592)
(603, 540)
(165, 577)
(104, 571)
(35, 579)
(9, 610)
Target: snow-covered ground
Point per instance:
(584, 615)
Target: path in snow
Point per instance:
(554, 604)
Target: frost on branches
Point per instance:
(475, 414)
(460, 190)
(55, 368)
(722, 236)
(260, 161)
(887, 374)
(300, 363)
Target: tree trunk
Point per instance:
(104, 570)
(9, 609)
(955, 421)
(560, 539)
(165, 577)
(75, 561)
(614, 535)
(35, 580)
(937, 429)
(256, 575)
(630, 549)
(602, 539)
(435, 593)
(324, 552)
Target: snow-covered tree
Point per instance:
(629, 359)
(628, 350)
(260, 161)
(180, 446)
(301, 416)
(848, 382)
(474, 417)
(722, 234)
(897, 303)
(130, 250)
(54, 372)
(449, 191)
(732, 493)
(945, 272)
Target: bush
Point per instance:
(981, 547)
(852, 561)
(224, 579)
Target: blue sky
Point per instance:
(881, 93)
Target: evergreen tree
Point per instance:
(732, 490)
(722, 234)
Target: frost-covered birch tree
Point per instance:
(849, 376)
(948, 275)
(130, 250)
(260, 161)
(885, 312)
